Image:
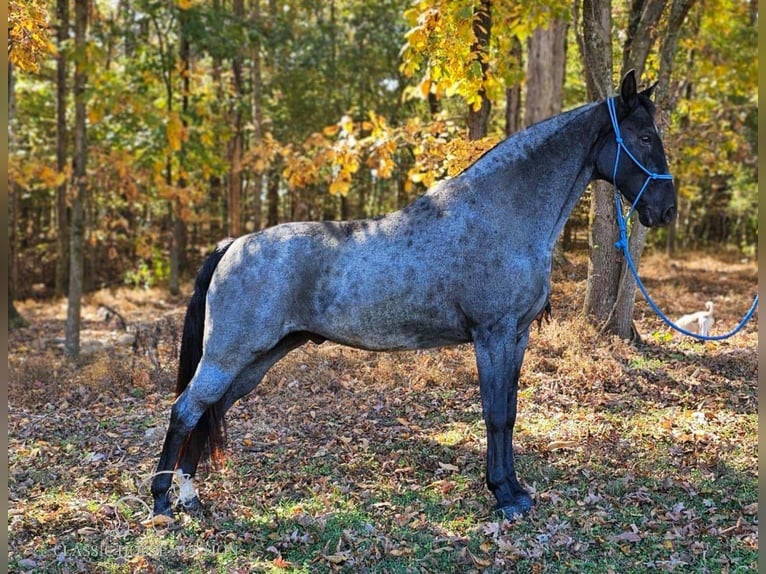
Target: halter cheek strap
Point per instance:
(623, 242)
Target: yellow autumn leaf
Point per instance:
(347, 124)
(417, 38)
(331, 130)
(340, 186)
(95, 115)
(425, 88)
(175, 132)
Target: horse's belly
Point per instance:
(392, 324)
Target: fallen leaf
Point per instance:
(335, 558)
(157, 520)
(560, 444)
(281, 563)
(627, 536)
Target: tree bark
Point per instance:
(79, 185)
(62, 209)
(546, 67)
(272, 198)
(15, 319)
(235, 145)
(478, 119)
(256, 102)
(513, 93)
(594, 37)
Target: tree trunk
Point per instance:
(620, 321)
(513, 93)
(546, 67)
(256, 102)
(272, 198)
(62, 209)
(177, 225)
(478, 119)
(235, 145)
(594, 37)
(15, 318)
(79, 185)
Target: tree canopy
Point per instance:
(211, 117)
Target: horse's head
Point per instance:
(636, 163)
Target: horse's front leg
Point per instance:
(499, 354)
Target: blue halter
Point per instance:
(623, 241)
(650, 175)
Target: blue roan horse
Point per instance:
(469, 261)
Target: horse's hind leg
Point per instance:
(243, 384)
(209, 384)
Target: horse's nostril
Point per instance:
(669, 214)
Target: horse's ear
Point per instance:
(649, 91)
(628, 91)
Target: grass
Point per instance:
(639, 458)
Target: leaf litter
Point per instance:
(639, 457)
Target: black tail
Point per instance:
(208, 438)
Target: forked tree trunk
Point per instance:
(620, 320)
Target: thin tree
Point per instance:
(256, 109)
(478, 119)
(15, 319)
(236, 142)
(62, 209)
(513, 92)
(79, 185)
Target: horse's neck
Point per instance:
(537, 176)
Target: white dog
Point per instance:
(703, 320)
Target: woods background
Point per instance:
(143, 132)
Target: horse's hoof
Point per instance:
(519, 507)
(162, 508)
(190, 504)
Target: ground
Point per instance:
(639, 457)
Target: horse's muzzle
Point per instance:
(650, 218)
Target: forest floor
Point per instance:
(639, 457)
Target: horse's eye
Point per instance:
(646, 139)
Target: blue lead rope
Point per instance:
(622, 244)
